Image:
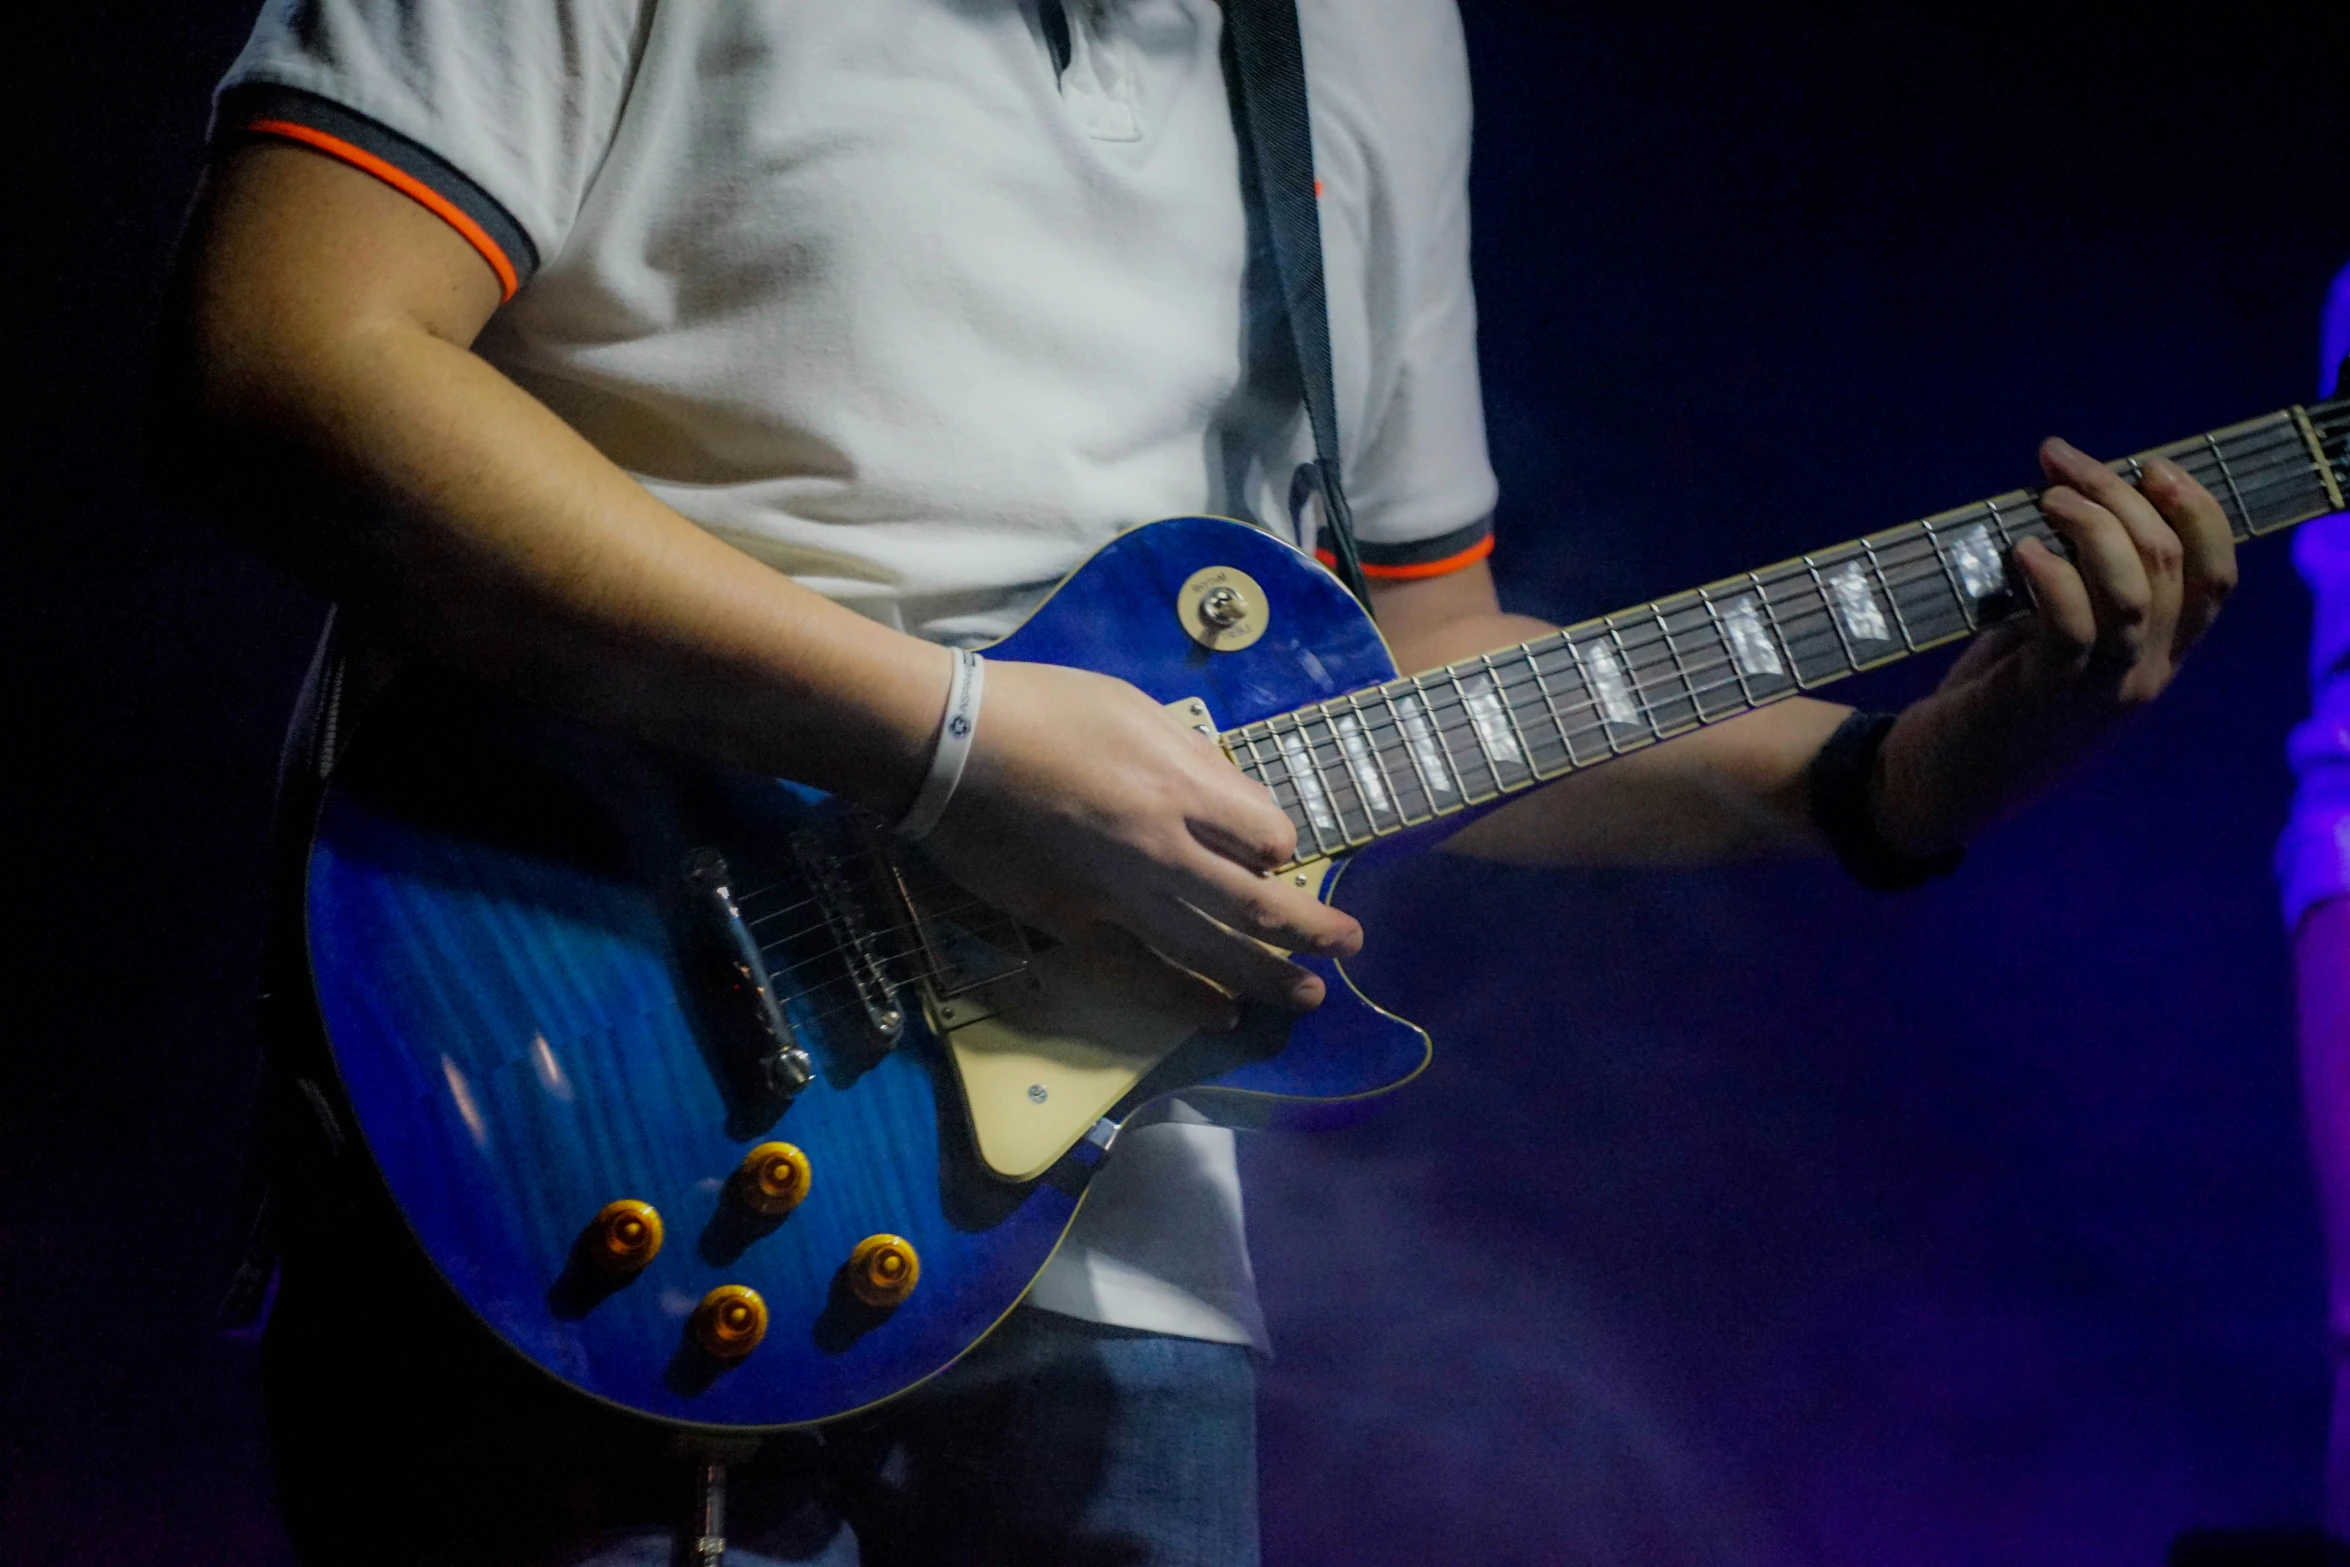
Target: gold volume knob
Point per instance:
(625, 1236)
(773, 1178)
(730, 1322)
(883, 1270)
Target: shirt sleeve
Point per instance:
(2313, 856)
(492, 114)
(1419, 480)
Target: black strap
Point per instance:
(1269, 107)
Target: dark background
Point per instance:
(1746, 1219)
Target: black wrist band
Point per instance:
(1843, 808)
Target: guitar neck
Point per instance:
(1374, 762)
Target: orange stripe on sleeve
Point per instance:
(1426, 568)
(407, 185)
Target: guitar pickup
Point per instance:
(743, 993)
(856, 944)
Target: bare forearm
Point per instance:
(1731, 791)
(1736, 790)
(446, 504)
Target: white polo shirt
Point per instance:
(896, 299)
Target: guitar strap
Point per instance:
(1265, 67)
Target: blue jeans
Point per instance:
(1057, 1441)
(401, 1434)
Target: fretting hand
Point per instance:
(2150, 566)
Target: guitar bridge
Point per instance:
(856, 943)
(745, 995)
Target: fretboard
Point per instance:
(1389, 757)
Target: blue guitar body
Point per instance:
(510, 996)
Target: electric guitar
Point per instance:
(717, 1104)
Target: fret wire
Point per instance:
(1550, 706)
(2273, 464)
(2281, 458)
(1644, 715)
(1439, 738)
(1252, 767)
(1394, 694)
(1296, 810)
(1467, 715)
(1908, 573)
(1823, 609)
(1592, 698)
(1289, 761)
(2225, 472)
(1460, 782)
(1411, 752)
(1367, 725)
(1399, 741)
(1441, 733)
(1403, 745)
(1509, 715)
(1998, 521)
(1303, 819)
(1876, 568)
(2298, 477)
(1346, 768)
(1540, 721)
(1813, 609)
(1934, 565)
(1304, 753)
(1835, 623)
(1230, 744)
(1476, 727)
(1235, 741)
(2285, 461)
(1395, 804)
(1762, 596)
(1712, 649)
(1591, 709)
(1255, 766)
(1664, 628)
(1966, 607)
(2293, 470)
(1705, 596)
(1476, 730)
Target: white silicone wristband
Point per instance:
(956, 726)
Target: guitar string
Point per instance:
(2258, 464)
(1519, 671)
(1897, 572)
(1574, 721)
(1514, 672)
(923, 968)
(1511, 681)
(1893, 573)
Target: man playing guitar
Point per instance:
(710, 371)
